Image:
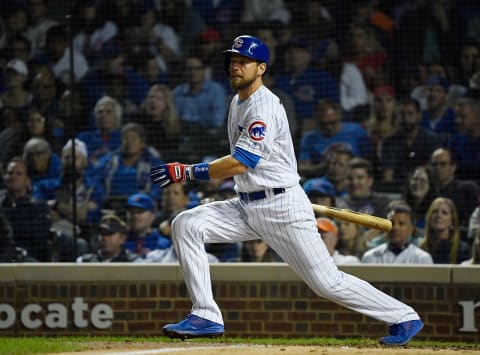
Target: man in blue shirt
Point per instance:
(331, 131)
(143, 238)
(303, 82)
(438, 117)
(126, 171)
(201, 106)
(198, 100)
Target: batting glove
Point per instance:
(166, 174)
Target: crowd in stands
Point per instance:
(383, 102)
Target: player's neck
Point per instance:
(245, 93)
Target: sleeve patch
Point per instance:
(257, 130)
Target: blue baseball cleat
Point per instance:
(402, 333)
(193, 326)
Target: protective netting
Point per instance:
(385, 81)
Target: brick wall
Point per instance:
(257, 300)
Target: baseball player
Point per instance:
(271, 205)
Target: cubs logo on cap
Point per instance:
(257, 130)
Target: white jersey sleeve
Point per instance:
(259, 125)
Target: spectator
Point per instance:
(149, 68)
(442, 235)
(464, 193)
(419, 193)
(438, 116)
(155, 35)
(305, 84)
(91, 31)
(57, 56)
(16, 95)
(141, 214)
(317, 25)
(13, 134)
(19, 47)
(160, 119)
(29, 220)
(174, 200)
(474, 223)
(475, 259)
(465, 146)
(71, 113)
(330, 130)
(113, 63)
(349, 234)
(382, 122)
(329, 233)
(254, 11)
(126, 171)
(320, 191)
(43, 164)
(420, 91)
(258, 251)
(116, 86)
(45, 98)
(106, 137)
(336, 167)
(429, 31)
(38, 126)
(410, 146)
(112, 237)
(199, 101)
(367, 54)
(201, 106)
(208, 44)
(360, 196)
(38, 24)
(15, 18)
(8, 252)
(468, 62)
(353, 91)
(182, 17)
(372, 238)
(399, 248)
(88, 195)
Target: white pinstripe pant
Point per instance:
(286, 222)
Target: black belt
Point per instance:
(259, 195)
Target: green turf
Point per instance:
(38, 345)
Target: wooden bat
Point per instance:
(363, 219)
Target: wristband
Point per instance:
(188, 172)
(200, 171)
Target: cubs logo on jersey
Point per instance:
(257, 130)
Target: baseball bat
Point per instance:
(363, 219)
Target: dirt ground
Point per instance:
(247, 349)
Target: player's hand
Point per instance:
(166, 174)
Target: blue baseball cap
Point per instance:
(320, 186)
(439, 81)
(142, 201)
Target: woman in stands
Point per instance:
(442, 235)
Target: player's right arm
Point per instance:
(221, 168)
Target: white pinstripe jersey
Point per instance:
(259, 125)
